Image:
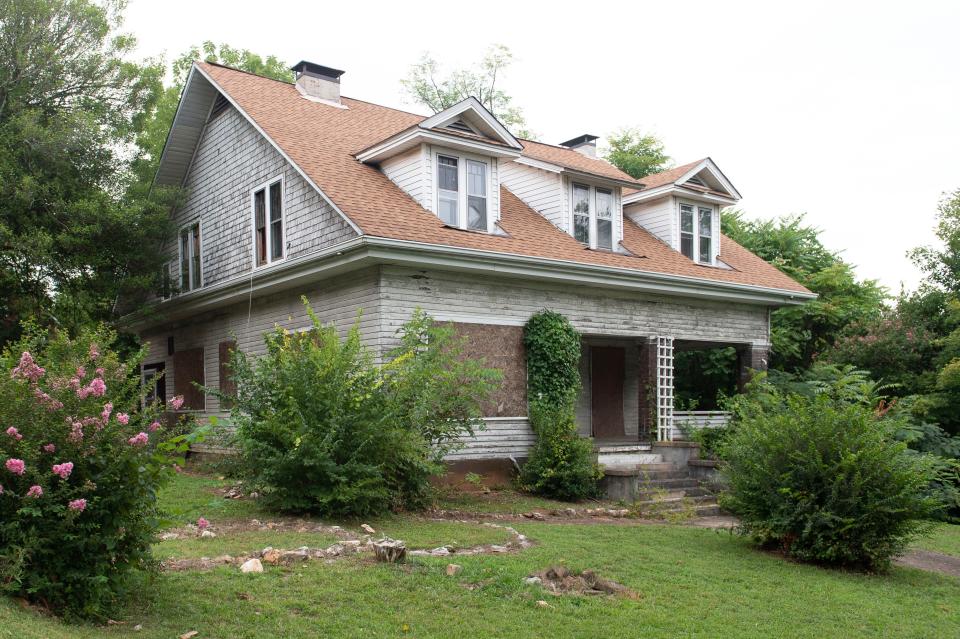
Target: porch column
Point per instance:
(647, 400)
(664, 388)
(751, 358)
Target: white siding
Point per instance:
(501, 439)
(540, 190)
(406, 171)
(660, 217)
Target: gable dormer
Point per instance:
(449, 163)
(681, 206)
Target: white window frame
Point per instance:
(265, 186)
(615, 214)
(696, 206)
(187, 227)
(462, 187)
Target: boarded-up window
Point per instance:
(500, 347)
(187, 370)
(227, 385)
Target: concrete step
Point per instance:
(627, 458)
(645, 493)
(673, 499)
(668, 484)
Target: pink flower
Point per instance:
(76, 432)
(13, 432)
(35, 491)
(27, 368)
(1, 489)
(50, 448)
(100, 371)
(63, 470)
(140, 439)
(94, 351)
(16, 466)
(202, 524)
(154, 427)
(177, 402)
(78, 504)
(81, 372)
(97, 387)
(123, 418)
(105, 415)
(45, 400)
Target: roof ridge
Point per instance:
(256, 75)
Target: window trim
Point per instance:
(197, 222)
(714, 240)
(616, 212)
(463, 201)
(157, 369)
(265, 187)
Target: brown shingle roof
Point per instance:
(669, 176)
(323, 139)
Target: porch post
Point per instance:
(664, 388)
(751, 358)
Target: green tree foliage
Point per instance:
(561, 464)
(942, 265)
(425, 84)
(799, 333)
(323, 429)
(74, 236)
(636, 153)
(824, 478)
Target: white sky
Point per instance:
(847, 111)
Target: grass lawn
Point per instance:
(693, 582)
(945, 539)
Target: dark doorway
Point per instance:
(606, 374)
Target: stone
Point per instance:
(367, 529)
(208, 534)
(223, 559)
(442, 551)
(496, 548)
(168, 536)
(272, 556)
(351, 543)
(252, 565)
(290, 556)
(189, 635)
(454, 569)
(334, 551)
(533, 581)
(543, 604)
(570, 512)
(138, 627)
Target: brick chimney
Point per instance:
(317, 82)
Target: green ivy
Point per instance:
(561, 464)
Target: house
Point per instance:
(295, 189)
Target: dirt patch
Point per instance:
(931, 561)
(559, 580)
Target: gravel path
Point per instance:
(932, 561)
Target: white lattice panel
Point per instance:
(664, 388)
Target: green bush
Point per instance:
(561, 464)
(323, 429)
(825, 480)
(79, 472)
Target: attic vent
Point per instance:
(220, 105)
(459, 125)
(696, 180)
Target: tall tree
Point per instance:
(942, 265)
(636, 153)
(426, 85)
(73, 237)
(799, 333)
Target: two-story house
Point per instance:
(295, 189)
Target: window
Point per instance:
(190, 257)
(593, 216)
(686, 230)
(476, 195)
(604, 219)
(465, 208)
(268, 223)
(581, 213)
(706, 234)
(153, 383)
(696, 232)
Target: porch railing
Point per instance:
(687, 420)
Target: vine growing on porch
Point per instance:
(561, 464)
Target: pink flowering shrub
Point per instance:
(79, 473)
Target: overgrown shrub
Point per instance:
(323, 429)
(561, 464)
(79, 471)
(825, 480)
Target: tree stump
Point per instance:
(392, 551)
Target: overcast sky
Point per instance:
(848, 112)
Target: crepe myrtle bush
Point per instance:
(824, 479)
(80, 465)
(323, 428)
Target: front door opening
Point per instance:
(606, 375)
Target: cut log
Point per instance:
(392, 551)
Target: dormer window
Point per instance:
(465, 208)
(696, 232)
(593, 216)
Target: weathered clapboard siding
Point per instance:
(231, 159)
(502, 438)
(538, 189)
(660, 217)
(687, 420)
(336, 301)
(406, 171)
